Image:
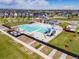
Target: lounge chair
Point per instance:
(15, 33)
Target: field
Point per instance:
(10, 50)
(67, 41)
(15, 21)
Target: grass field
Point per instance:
(10, 51)
(67, 41)
(15, 21)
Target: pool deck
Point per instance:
(58, 31)
(47, 38)
(42, 36)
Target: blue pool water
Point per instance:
(33, 27)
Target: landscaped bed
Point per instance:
(25, 39)
(69, 57)
(57, 55)
(68, 41)
(46, 50)
(36, 45)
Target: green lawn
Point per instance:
(15, 21)
(66, 19)
(67, 41)
(10, 50)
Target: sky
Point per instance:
(39, 4)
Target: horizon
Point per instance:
(34, 9)
(39, 4)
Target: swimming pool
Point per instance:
(34, 27)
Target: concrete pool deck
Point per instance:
(42, 36)
(47, 38)
(58, 31)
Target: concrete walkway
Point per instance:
(3, 28)
(27, 46)
(52, 53)
(31, 43)
(63, 56)
(41, 47)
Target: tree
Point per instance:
(76, 30)
(64, 25)
(1, 20)
(23, 19)
(18, 20)
(5, 20)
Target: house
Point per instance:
(72, 27)
(54, 22)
